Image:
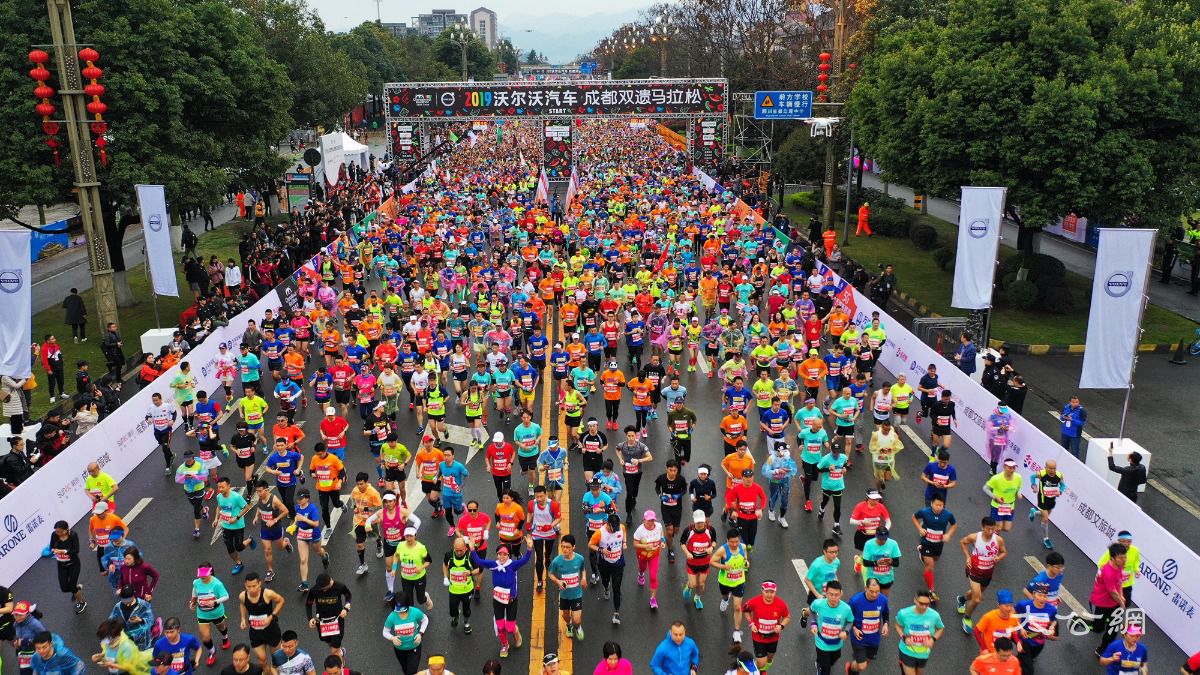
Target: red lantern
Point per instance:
(39, 56)
(53, 144)
(88, 54)
(822, 78)
(43, 91)
(824, 67)
(822, 88)
(40, 74)
(93, 89)
(96, 107)
(852, 66)
(825, 56)
(44, 109)
(92, 73)
(98, 128)
(50, 128)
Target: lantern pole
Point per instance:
(62, 33)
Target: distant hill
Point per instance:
(561, 37)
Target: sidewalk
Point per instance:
(54, 277)
(1077, 258)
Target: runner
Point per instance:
(327, 605)
(732, 560)
(453, 475)
(405, 628)
(527, 437)
(193, 476)
(366, 501)
(698, 544)
(411, 560)
(1048, 484)
(1004, 488)
(767, 616)
(871, 619)
(566, 571)
(499, 459)
(208, 601)
(162, 419)
(260, 608)
(918, 627)
(270, 512)
(461, 577)
(833, 482)
(747, 500)
(552, 467)
(632, 454)
(609, 544)
(307, 528)
(232, 508)
(543, 524)
(64, 546)
(983, 551)
(934, 526)
(505, 593)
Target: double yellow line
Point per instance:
(551, 424)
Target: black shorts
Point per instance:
(394, 473)
(162, 436)
(342, 396)
(68, 577)
(738, 591)
(334, 640)
(864, 653)
(672, 515)
(764, 649)
(900, 412)
(360, 534)
(389, 548)
(214, 621)
(1046, 504)
(268, 637)
(845, 431)
(573, 421)
(593, 461)
(912, 661)
(430, 486)
(860, 539)
(983, 582)
(697, 570)
(527, 463)
(940, 431)
(575, 605)
(234, 539)
(930, 550)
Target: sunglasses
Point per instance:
(472, 510)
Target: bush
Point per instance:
(943, 257)
(808, 201)
(889, 223)
(1057, 300)
(1009, 266)
(1007, 280)
(876, 198)
(1022, 294)
(923, 236)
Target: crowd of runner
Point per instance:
(472, 300)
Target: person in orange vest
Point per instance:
(830, 239)
(241, 204)
(864, 213)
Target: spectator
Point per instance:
(1133, 475)
(884, 286)
(189, 241)
(1073, 418)
(15, 467)
(149, 371)
(964, 356)
(993, 377)
(52, 437)
(233, 277)
(12, 402)
(76, 315)
(112, 346)
(1014, 394)
(52, 362)
(206, 214)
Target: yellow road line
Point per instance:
(537, 626)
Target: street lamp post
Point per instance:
(660, 34)
(461, 36)
(87, 183)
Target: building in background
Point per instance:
(484, 25)
(432, 24)
(399, 29)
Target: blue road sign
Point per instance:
(783, 105)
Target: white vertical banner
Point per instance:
(16, 302)
(1118, 296)
(980, 215)
(152, 201)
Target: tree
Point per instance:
(1086, 106)
(193, 100)
(532, 57)
(801, 157)
(327, 83)
(481, 64)
(641, 63)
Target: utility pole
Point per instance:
(87, 183)
(839, 49)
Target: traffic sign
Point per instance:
(783, 105)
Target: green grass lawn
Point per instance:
(221, 242)
(921, 279)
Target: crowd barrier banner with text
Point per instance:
(118, 444)
(1089, 513)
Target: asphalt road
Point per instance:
(162, 526)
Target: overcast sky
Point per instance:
(342, 14)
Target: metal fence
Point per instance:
(940, 333)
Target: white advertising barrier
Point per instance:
(1090, 512)
(118, 444)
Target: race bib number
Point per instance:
(459, 576)
(632, 467)
(571, 580)
(1004, 510)
(1050, 491)
(883, 566)
(206, 601)
(328, 627)
(304, 534)
(259, 621)
(933, 536)
(836, 474)
(501, 595)
(554, 474)
(506, 529)
(870, 626)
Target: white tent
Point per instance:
(338, 149)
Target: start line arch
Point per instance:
(413, 107)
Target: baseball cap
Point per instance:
(410, 531)
(1004, 597)
(22, 607)
(203, 572)
(427, 439)
(549, 658)
(882, 531)
(874, 494)
(331, 410)
(699, 516)
(498, 437)
(649, 515)
(303, 493)
(100, 507)
(746, 473)
(389, 497)
(1124, 534)
(813, 352)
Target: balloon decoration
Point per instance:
(92, 73)
(44, 92)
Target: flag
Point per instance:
(543, 189)
(1118, 296)
(16, 302)
(453, 137)
(152, 201)
(980, 215)
(843, 292)
(572, 188)
(471, 135)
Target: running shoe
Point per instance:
(641, 578)
(606, 594)
(361, 569)
(208, 494)
(737, 636)
(196, 533)
(253, 543)
(451, 531)
(303, 587)
(579, 632)
(699, 603)
(783, 522)
(967, 625)
(724, 604)
(671, 557)
(237, 569)
(654, 603)
(687, 592)
(962, 605)
(1032, 513)
(1047, 543)
(269, 576)
(504, 651)
(225, 644)
(804, 618)
(570, 630)
(454, 622)
(808, 505)
(616, 619)
(467, 628)
(389, 597)
(325, 561)
(837, 529)
(212, 658)
(771, 516)
(80, 606)
(378, 548)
